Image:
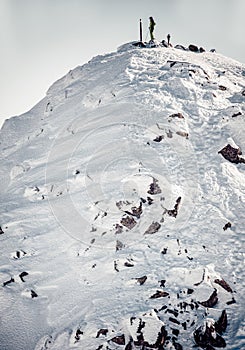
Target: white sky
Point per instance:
(41, 40)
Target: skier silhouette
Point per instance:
(151, 27)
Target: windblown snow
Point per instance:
(122, 207)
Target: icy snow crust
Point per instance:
(135, 131)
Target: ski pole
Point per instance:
(140, 31)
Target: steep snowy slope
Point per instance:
(122, 226)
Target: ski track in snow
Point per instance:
(87, 156)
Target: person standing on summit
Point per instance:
(151, 27)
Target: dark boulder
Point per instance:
(22, 275)
(223, 284)
(158, 138)
(120, 339)
(154, 187)
(8, 282)
(227, 225)
(193, 48)
(128, 222)
(153, 228)
(102, 331)
(159, 294)
(212, 300)
(139, 44)
(180, 47)
(221, 325)
(232, 154)
(206, 337)
(33, 294)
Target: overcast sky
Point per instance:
(41, 40)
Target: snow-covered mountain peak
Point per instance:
(122, 206)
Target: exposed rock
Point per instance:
(119, 245)
(222, 87)
(230, 302)
(102, 331)
(175, 332)
(207, 337)
(135, 211)
(159, 294)
(139, 44)
(212, 300)
(78, 334)
(180, 47)
(153, 228)
(164, 43)
(154, 187)
(162, 283)
(172, 63)
(209, 347)
(193, 48)
(177, 346)
(100, 347)
(174, 212)
(236, 114)
(173, 312)
(201, 49)
(159, 343)
(141, 325)
(8, 282)
(174, 320)
(182, 133)
(228, 225)
(177, 115)
(159, 138)
(116, 266)
(1, 231)
(198, 283)
(33, 294)
(224, 285)
(141, 280)
(232, 154)
(22, 275)
(128, 264)
(153, 43)
(119, 229)
(169, 134)
(221, 324)
(120, 339)
(120, 204)
(149, 200)
(129, 346)
(161, 338)
(128, 222)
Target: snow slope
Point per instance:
(114, 201)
